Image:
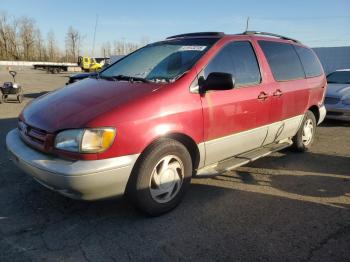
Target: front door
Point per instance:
(235, 120)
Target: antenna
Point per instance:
(93, 43)
(247, 25)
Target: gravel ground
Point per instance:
(285, 207)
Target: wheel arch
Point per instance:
(315, 110)
(182, 138)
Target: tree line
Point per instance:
(22, 40)
(121, 47)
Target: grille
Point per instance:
(331, 100)
(34, 137)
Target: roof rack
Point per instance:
(219, 34)
(269, 34)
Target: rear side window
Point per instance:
(283, 60)
(310, 62)
(238, 59)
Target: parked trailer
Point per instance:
(55, 68)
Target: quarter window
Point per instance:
(310, 62)
(283, 60)
(238, 59)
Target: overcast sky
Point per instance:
(315, 23)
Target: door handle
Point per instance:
(263, 96)
(278, 92)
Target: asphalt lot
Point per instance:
(285, 207)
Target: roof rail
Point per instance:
(269, 34)
(219, 34)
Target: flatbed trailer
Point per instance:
(55, 68)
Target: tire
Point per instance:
(305, 136)
(19, 98)
(4, 98)
(160, 177)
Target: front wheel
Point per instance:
(161, 177)
(20, 98)
(303, 140)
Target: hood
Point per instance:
(338, 90)
(77, 104)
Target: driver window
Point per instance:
(237, 58)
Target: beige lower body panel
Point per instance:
(228, 146)
(283, 129)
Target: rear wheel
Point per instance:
(303, 140)
(20, 98)
(161, 177)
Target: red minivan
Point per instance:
(191, 105)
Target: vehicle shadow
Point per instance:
(35, 95)
(308, 185)
(306, 162)
(326, 186)
(335, 123)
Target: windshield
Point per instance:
(160, 62)
(339, 77)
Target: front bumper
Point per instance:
(87, 180)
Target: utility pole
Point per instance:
(247, 25)
(93, 43)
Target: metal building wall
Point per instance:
(333, 58)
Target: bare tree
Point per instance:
(39, 46)
(52, 49)
(106, 49)
(131, 47)
(4, 41)
(73, 44)
(22, 39)
(27, 37)
(9, 47)
(144, 41)
(119, 47)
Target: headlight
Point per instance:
(91, 140)
(346, 101)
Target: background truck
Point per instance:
(85, 63)
(90, 64)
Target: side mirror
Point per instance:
(218, 81)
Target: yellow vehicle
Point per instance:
(89, 64)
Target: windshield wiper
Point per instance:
(168, 80)
(96, 75)
(131, 78)
(109, 78)
(158, 79)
